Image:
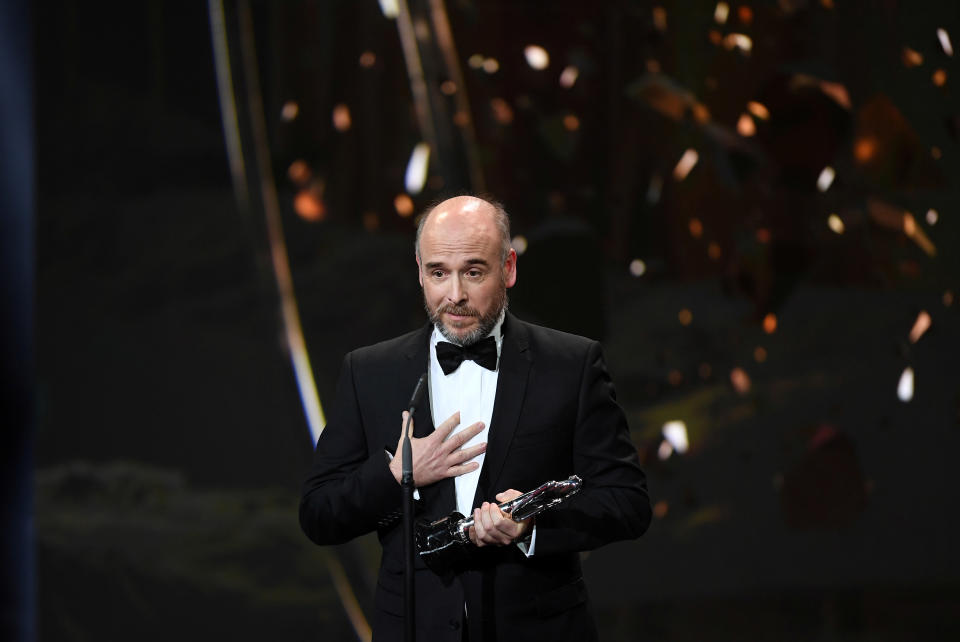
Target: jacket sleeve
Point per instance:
(350, 490)
(613, 503)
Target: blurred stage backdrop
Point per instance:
(753, 205)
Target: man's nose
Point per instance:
(456, 293)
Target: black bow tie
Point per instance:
(484, 353)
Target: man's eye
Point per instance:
(437, 274)
(474, 274)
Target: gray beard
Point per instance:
(485, 323)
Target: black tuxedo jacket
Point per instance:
(555, 414)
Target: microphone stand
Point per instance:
(406, 484)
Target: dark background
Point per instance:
(812, 504)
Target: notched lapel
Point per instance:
(515, 363)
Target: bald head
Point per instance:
(470, 210)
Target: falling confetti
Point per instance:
(721, 12)
(403, 204)
(745, 126)
(519, 243)
(537, 57)
(944, 39)
(569, 76)
(685, 316)
(637, 267)
(825, 179)
(289, 110)
(770, 323)
(921, 325)
(416, 174)
(758, 109)
(341, 118)
(932, 216)
(685, 164)
(740, 380)
(675, 432)
(835, 223)
(905, 385)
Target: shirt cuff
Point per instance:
(527, 544)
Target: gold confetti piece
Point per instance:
(368, 59)
(685, 316)
(714, 251)
(664, 451)
(491, 66)
(745, 14)
(299, 172)
(932, 217)
(675, 432)
(758, 109)
(571, 122)
(720, 12)
(715, 37)
(519, 243)
(944, 39)
(537, 57)
(745, 126)
(341, 118)
(921, 325)
(416, 174)
(701, 114)
(940, 77)
(685, 164)
(835, 223)
(289, 110)
(403, 204)
(740, 380)
(760, 354)
(502, 111)
(936, 153)
(911, 57)
(308, 205)
(660, 18)
(948, 298)
(770, 323)
(569, 76)
(825, 180)
(476, 61)
(661, 508)
(448, 87)
(637, 267)
(696, 228)
(371, 222)
(905, 385)
(865, 148)
(915, 232)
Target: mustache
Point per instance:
(458, 310)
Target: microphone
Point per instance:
(417, 393)
(406, 467)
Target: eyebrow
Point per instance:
(439, 264)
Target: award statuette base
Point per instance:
(444, 545)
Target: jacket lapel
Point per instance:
(515, 363)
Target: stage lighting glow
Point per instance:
(905, 385)
(476, 61)
(403, 204)
(770, 323)
(389, 8)
(835, 223)
(571, 122)
(448, 87)
(491, 66)
(746, 126)
(537, 57)
(289, 110)
(932, 217)
(675, 432)
(911, 57)
(685, 164)
(308, 205)
(341, 118)
(368, 59)
(745, 14)
(864, 148)
(921, 325)
(685, 316)
(720, 12)
(417, 168)
(740, 41)
(827, 174)
(569, 76)
(758, 109)
(944, 39)
(637, 267)
(519, 243)
(740, 380)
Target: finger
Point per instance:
(507, 495)
(462, 469)
(443, 430)
(466, 454)
(465, 435)
(403, 422)
(479, 530)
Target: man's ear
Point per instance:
(510, 269)
(419, 271)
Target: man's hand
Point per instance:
(436, 457)
(493, 527)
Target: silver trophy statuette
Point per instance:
(443, 543)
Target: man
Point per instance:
(539, 406)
